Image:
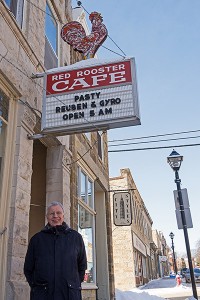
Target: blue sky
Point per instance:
(164, 38)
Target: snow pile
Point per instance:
(136, 295)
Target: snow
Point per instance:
(149, 294)
(140, 295)
(136, 295)
(86, 63)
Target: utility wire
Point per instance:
(153, 148)
(155, 141)
(158, 135)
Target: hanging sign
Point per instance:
(122, 215)
(186, 205)
(90, 95)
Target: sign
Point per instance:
(122, 215)
(90, 96)
(186, 205)
(74, 34)
(162, 258)
(139, 245)
(188, 218)
(184, 198)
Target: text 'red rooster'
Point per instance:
(74, 34)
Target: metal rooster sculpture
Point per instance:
(74, 34)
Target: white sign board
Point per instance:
(186, 205)
(139, 245)
(90, 95)
(122, 215)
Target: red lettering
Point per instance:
(82, 79)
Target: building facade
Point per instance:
(33, 172)
(162, 253)
(133, 247)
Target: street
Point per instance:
(166, 288)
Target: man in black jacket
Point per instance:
(56, 261)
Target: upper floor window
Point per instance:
(4, 109)
(16, 7)
(51, 40)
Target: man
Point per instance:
(56, 261)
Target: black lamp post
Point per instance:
(175, 160)
(174, 258)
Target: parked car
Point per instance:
(196, 275)
(183, 271)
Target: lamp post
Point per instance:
(174, 258)
(175, 160)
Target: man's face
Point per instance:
(55, 215)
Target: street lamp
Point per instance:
(174, 258)
(175, 160)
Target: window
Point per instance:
(86, 221)
(51, 40)
(86, 189)
(4, 108)
(16, 7)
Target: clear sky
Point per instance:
(164, 38)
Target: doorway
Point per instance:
(38, 189)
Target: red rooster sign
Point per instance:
(74, 34)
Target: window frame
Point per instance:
(87, 179)
(91, 211)
(6, 191)
(4, 120)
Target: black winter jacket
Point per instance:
(55, 264)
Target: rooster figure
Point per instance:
(74, 34)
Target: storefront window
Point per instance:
(86, 223)
(86, 228)
(4, 108)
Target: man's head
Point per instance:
(55, 213)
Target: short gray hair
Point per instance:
(55, 203)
